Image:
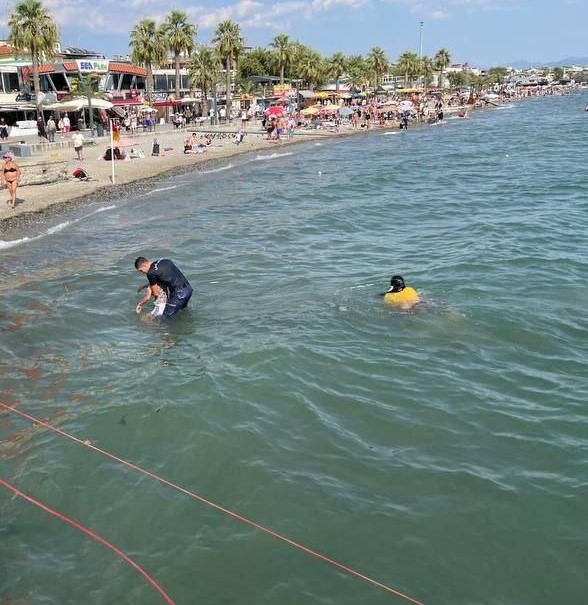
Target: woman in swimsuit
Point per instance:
(11, 176)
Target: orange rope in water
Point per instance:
(232, 514)
(92, 535)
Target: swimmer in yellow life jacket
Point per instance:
(400, 295)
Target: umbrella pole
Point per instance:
(111, 150)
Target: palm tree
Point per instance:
(358, 71)
(148, 49)
(427, 68)
(442, 60)
(229, 44)
(337, 67)
(87, 85)
(32, 29)
(178, 37)
(311, 68)
(204, 71)
(408, 65)
(282, 46)
(378, 64)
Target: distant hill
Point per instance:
(561, 63)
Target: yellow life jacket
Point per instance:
(404, 298)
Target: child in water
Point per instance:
(160, 300)
(399, 295)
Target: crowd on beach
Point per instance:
(279, 122)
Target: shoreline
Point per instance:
(138, 174)
(72, 194)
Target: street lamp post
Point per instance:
(421, 40)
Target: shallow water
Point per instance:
(442, 452)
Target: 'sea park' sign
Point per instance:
(92, 65)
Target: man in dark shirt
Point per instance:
(167, 276)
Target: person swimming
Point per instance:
(399, 295)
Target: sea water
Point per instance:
(442, 452)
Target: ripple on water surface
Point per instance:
(441, 451)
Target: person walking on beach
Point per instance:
(170, 279)
(51, 128)
(3, 129)
(41, 129)
(66, 124)
(11, 176)
(78, 142)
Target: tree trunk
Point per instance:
(204, 104)
(406, 79)
(177, 66)
(149, 83)
(36, 82)
(214, 120)
(337, 85)
(228, 95)
(282, 68)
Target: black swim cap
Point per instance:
(397, 283)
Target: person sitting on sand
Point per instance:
(11, 176)
(399, 295)
(118, 155)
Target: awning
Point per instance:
(78, 103)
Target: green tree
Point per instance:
(558, 73)
(457, 79)
(282, 47)
(87, 85)
(427, 69)
(148, 49)
(358, 73)
(32, 29)
(178, 36)
(442, 60)
(408, 65)
(229, 44)
(204, 71)
(337, 67)
(378, 64)
(311, 68)
(497, 75)
(258, 62)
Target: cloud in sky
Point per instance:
(112, 17)
(440, 9)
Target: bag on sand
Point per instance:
(81, 174)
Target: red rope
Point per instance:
(92, 535)
(309, 551)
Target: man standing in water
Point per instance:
(170, 279)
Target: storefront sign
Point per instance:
(92, 65)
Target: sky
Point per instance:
(484, 33)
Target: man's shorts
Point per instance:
(177, 301)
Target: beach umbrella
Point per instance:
(310, 111)
(345, 111)
(274, 110)
(406, 106)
